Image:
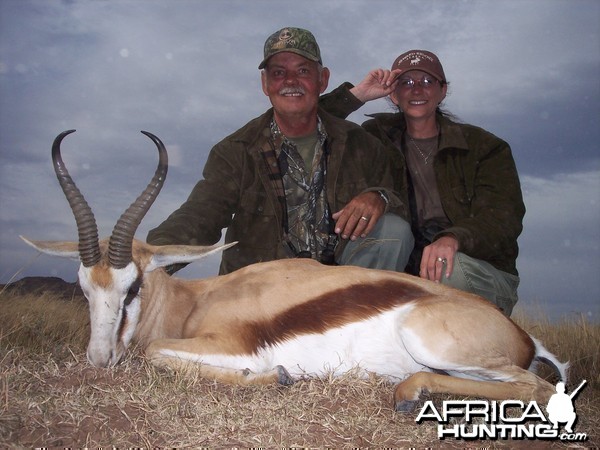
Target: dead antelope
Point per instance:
(280, 321)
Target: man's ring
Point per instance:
(366, 219)
(440, 259)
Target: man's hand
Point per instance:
(378, 83)
(438, 257)
(359, 216)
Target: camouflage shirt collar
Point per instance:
(279, 137)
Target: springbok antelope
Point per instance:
(280, 321)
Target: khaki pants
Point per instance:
(387, 247)
(481, 278)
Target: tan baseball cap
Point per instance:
(420, 60)
(295, 40)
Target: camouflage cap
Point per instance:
(295, 40)
(420, 60)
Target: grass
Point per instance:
(575, 340)
(50, 396)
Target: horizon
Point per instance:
(527, 71)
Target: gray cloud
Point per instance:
(187, 71)
(560, 245)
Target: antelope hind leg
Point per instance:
(182, 355)
(523, 385)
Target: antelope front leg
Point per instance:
(185, 355)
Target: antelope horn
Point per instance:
(89, 250)
(121, 239)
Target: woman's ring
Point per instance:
(366, 219)
(440, 259)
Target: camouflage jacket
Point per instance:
(476, 176)
(236, 193)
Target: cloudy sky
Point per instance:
(528, 71)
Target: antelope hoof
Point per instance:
(405, 406)
(284, 378)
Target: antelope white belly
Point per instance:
(372, 345)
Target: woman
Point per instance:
(459, 180)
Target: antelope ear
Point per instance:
(63, 249)
(165, 255)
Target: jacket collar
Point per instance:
(256, 132)
(451, 132)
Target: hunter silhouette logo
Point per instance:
(509, 419)
(560, 407)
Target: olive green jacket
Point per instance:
(476, 176)
(236, 192)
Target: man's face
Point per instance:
(293, 84)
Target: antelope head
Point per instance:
(110, 275)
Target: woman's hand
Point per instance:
(438, 257)
(378, 83)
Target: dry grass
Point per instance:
(574, 339)
(50, 396)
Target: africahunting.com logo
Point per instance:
(509, 419)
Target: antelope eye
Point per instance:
(133, 291)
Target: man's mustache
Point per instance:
(292, 90)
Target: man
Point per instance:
(295, 180)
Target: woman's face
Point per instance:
(418, 94)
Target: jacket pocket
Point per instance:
(461, 194)
(255, 224)
(253, 202)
